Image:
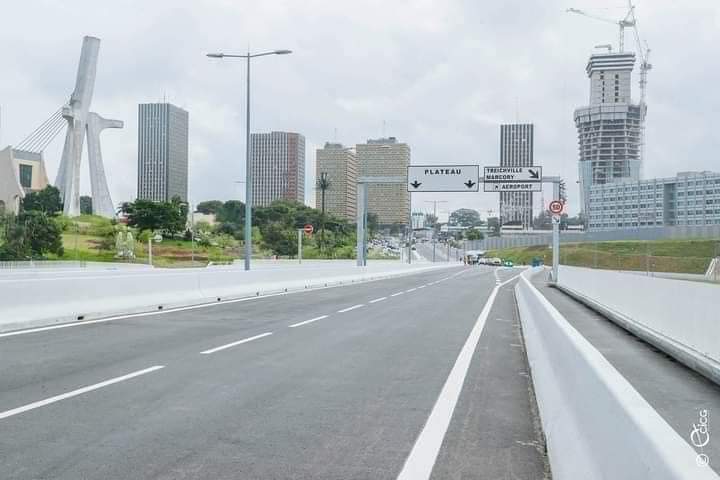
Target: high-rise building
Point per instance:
(610, 128)
(339, 165)
(516, 150)
(162, 152)
(386, 157)
(278, 167)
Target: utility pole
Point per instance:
(434, 234)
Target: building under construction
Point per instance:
(610, 128)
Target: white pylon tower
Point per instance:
(82, 122)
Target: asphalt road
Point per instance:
(363, 381)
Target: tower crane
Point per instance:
(628, 21)
(643, 51)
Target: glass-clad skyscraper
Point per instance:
(162, 152)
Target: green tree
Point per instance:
(168, 217)
(46, 200)
(31, 234)
(474, 234)
(232, 211)
(209, 207)
(86, 205)
(278, 238)
(465, 217)
(323, 185)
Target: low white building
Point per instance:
(688, 199)
(21, 172)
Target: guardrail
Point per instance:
(678, 317)
(597, 426)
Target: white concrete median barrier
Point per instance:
(43, 300)
(597, 426)
(678, 317)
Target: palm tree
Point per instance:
(322, 184)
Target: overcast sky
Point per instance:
(442, 75)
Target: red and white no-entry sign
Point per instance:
(308, 229)
(556, 207)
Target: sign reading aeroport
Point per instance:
(443, 178)
(512, 187)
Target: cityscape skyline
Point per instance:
(408, 105)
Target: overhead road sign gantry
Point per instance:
(443, 178)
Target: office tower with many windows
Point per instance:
(339, 166)
(688, 199)
(162, 152)
(381, 158)
(610, 128)
(516, 150)
(278, 167)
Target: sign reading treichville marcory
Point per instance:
(443, 178)
(512, 179)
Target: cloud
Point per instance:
(440, 75)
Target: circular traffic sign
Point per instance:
(556, 207)
(308, 229)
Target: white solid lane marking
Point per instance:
(239, 342)
(378, 300)
(308, 321)
(74, 393)
(419, 464)
(396, 294)
(410, 290)
(350, 308)
(421, 286)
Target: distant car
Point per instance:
(508, 263)
(496, 262)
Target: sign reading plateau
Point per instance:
(512, 179)
(443, 178)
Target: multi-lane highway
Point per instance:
(422, 376)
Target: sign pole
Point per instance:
(300, 235)
(362, 189)
(556, 235)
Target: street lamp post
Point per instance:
(248, 168)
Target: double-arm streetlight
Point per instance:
(248, 167)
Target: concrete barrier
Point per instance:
(678, 317)
(46, 300)
(597, 426)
